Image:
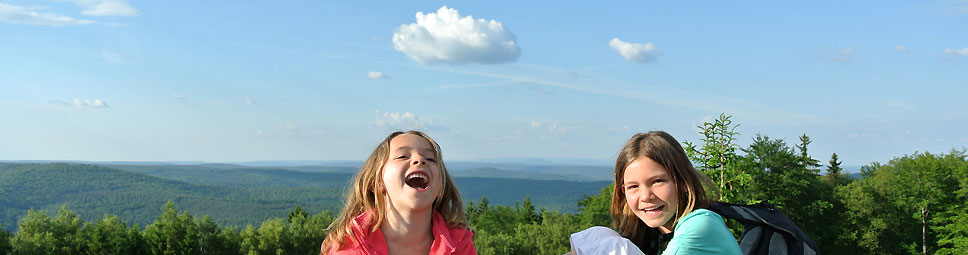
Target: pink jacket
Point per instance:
(447, 241)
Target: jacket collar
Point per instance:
(375, 243)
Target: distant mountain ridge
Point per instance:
(232, 195)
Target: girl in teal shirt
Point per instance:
(659, 194)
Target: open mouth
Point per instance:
(418, 181)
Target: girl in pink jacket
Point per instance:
(403, 201)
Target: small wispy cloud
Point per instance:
(251, 100)
(447, 37)
(178, 97)
(16, 14)
(78, 103)
(634, 52)
(961, 52)
(401, 121)
(844, 56)
(535, 124)
(106, 8)
(900, 105)
(286, 131)
(377, 76)
(901, 48)
(112, 57)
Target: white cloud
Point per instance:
(376, 75)
(962, 52)
(251, 100)
(106, 8)
(447, 37)
(78, 103)
(535, 124)
(844, 56)
(177, 97)
(401, 121)
(634, 52)
(22, 15)
(901, 48)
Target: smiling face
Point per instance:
(411, 175)
(651, 193)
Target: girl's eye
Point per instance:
(401, 157)
(631, 186)
(431, 160)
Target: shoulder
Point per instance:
(701, 218)
(463, 239)
(456, 240)
(361, 239)
(702, 232)
(461, 234)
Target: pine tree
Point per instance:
(805, 160)
(835, 176)
(834, 167)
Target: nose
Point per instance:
(418, 161)
(645, 194)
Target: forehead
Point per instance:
(410, 141)
(643, 168)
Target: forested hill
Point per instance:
(93, 191)
(231, 196)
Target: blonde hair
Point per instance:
(690, 191)
(364, 195)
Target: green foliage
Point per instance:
(521, 230)
(781, 178)
(307, 232)
(717, 157)
(912, 204)
(5, 247)
(951, 223)
(172, 233)
(111, 236)
(595, 210)
(41, 234)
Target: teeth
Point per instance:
(418, 175)
(651, 208)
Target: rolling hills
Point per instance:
(233, 195)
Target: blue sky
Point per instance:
(116, 80)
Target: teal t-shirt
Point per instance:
(702, 232)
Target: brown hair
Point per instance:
(691, 193)
(364, 195)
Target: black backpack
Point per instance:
(766, 230)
